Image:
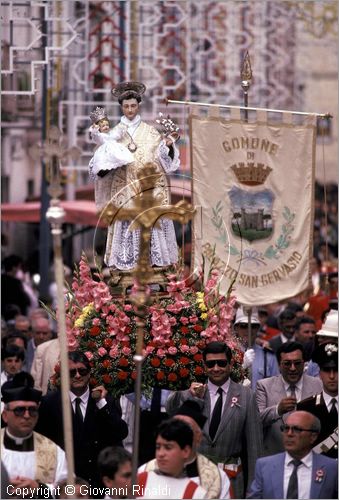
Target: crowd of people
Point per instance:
(221, 439)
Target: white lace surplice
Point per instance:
(122, 248)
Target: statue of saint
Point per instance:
(119, 185)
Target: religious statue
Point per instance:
(110, 154)
(120, 185)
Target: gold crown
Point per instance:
(98, 114)
(251, 174)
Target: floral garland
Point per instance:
(178, 327)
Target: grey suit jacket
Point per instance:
(240, 430)
(269, 477)
(269, 393)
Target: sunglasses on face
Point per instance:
(220, 362)
(20, 411)
(82, 372)
(294, 429)
(288, 364)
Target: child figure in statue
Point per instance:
(110, 154)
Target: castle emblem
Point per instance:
(251, 212)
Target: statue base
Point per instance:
(120, 281)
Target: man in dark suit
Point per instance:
(298, 472)
(96, 417)
(232, 434)
(324, 405)
(277, 396)
(287, 323)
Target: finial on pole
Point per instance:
(246, 79)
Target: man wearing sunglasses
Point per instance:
(277, 396)
(96, 417)
(232, 434)
(32, 460)
(298, 472)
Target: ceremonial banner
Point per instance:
(253, 189)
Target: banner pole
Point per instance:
(207, 104)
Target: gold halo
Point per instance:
(124, 87)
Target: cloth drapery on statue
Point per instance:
(120, 186)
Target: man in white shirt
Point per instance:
(32, 460)
(174, 440)
(298, 472)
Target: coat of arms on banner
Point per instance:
(251, 213)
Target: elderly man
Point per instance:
(325, 404)
(97, 420)
(41, 332)
(298, 472)
(32, 461)
(277, 396)
(198, 467)
(232, 434)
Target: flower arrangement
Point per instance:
(178, 327)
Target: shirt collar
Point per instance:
(130, 123)
(328, 399)
(84, 397)
(18, 440)
(298, 385)
(306, 460)
(214, 388)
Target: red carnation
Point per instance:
(172, 377)
(183, 372)
(169, 362)
(93, 382)
(160, 375)
(133, 375)
(106, 363)
(122, 375)
(198, 370)
(155, 362)
(91, 345)
(107, 379)
(57, 368)
(183, 341)
(94, 331)
(108, 343)
(197, 357)
(198, 328)
(184, 330)
(123, 362)
(184, 361)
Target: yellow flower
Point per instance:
(79, 323)
(202, 307)
(203, 315)
(88, 309)
(200, 295)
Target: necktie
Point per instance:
(78, 412)
(333, 410)
(292, 391)
(216, 415)
(156, 400)
(292, 489)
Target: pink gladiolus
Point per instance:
(128, 307)
(89, 355)
(96, 322)
(184, 320)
